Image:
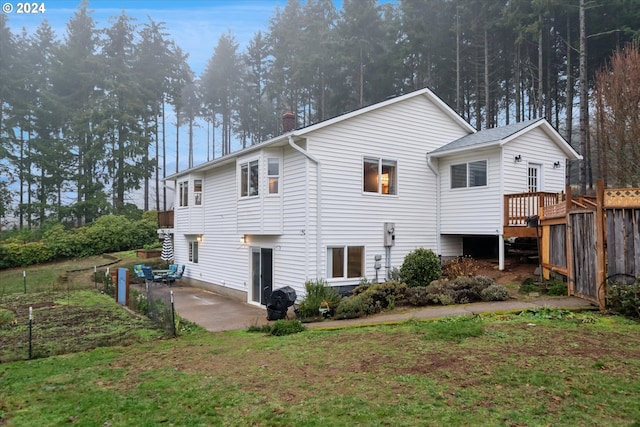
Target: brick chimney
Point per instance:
(288, 122)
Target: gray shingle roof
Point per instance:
(484, 137)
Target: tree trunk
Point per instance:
(584, 102)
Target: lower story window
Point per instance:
(193, 252)
(345, 262)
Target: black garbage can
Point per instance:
(279, 302)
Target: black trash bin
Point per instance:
(279, 303)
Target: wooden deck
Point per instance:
(521, 208)
(165, 219)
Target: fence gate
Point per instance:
(582, 233)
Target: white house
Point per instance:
(350, 197)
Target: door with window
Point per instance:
(261, 275)
(534, 178)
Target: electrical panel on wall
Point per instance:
(389, 233)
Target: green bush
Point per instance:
(22, 255)
(316, 292)
(353, 307)
(462, 290)
(286, 327)
(420, 267)
(371, 298)
(383, 295)
(623, 298)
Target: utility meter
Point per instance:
(389, 233)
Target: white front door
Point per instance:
(534, 178)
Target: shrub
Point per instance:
(494, 293)
(353, 307)
(418, 296)
(317, 291)
(286, 327)
(624, 298)
(460, 266)
(462, 290)
(420, 267)
(21, 255)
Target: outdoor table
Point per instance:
(161, 272)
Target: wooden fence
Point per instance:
(587, 240)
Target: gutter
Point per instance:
(318, 202)
(434, 169)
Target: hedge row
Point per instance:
(110, 233)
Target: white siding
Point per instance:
(472, 210)
(534, 147)
(188, 219)
(404, 132)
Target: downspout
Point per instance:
(501, 224)
(318, 202)
(434, 169)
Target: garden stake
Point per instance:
(24, 280)
(95, 278)
(30, 331)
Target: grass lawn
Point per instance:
(544, 368)
(45, 277)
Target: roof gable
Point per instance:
(496, 137)
(301, 133)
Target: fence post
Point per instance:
(600, 251)
(173, 316)
(30, 332)
(24, 280)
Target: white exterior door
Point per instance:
(534, 177)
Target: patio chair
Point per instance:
(172, 277)
(150, 277)
(137, 270)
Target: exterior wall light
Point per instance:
(556, 165)
(518, 158)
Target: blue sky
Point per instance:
(195, 26)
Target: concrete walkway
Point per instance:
(218, 313)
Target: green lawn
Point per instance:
(544, 368)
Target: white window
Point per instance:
(193, 252)
(472, 174)
(273, 174)
(183, 196)
(341, 266)
(380, 176)
(249, 179)
(197, 192)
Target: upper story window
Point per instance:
(273, 174)
(183, 193)
(472, 174)
(380, 176)
(249, 179)
(197, 192)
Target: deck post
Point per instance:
(500, 252)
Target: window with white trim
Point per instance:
(183, 193)
(197, 192)
(273, 175)
(340, 266)
(472, 174)
(249, 179)
(193, 251)
(380, 176)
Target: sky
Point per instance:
(195, 26)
